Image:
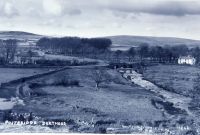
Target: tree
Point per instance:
(168, 54)
(183, 50)
(196, 53)
(99, 76)
(74, 45)
(10, 49)
(131, 53)
(117, 54)
(159, 53)
(180, 50)
(30, 55)
(143, 50)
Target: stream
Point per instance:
(178, 100)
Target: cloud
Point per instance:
(170, 8)
(8, 10)
(52, 7)
(102, 17)
(74, 12)
(177, 8)
(46, 8)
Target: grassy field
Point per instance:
(66, 58)
(175, 78)
(9, 74)
(117, 101)
(71, 95)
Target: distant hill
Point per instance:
(122, 42)
(25, 38)
(16, 33)
(19, 35)
(125, 42)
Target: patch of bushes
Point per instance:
(36, 85)
(182, 121)
(70, 122)
(195, 106)
(94, 111)
(165, 87)
(90, 110)
(191, 132)
(66, 82)
(2, 61)
(38, 92)
(169, 107)
(63, 62)
(105, 122)
(160, 122)
(118, 81)
(102, 130)
(134, 123)
(10, 116)
(63, 81)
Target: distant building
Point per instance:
(187, 60)
(29, 57)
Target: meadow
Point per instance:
(9, 74)
(174, 78)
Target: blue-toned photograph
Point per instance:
(100, 66)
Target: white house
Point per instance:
(187, 60)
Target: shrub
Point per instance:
(66, 82)
(168, 106)
(107, 122)
(53, 62)
(35, 85)
(191, 132)
(102, 130)
(63, 62)
(90, 110)
(70, 122)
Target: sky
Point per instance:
(95, 18)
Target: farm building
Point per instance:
(187, 60)
(29, 57)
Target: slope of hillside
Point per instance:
(121, 42)
(19, 35)
(25, 39)
(124, 42)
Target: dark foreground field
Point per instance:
(181, 80)
(116, 103)
(118, 106)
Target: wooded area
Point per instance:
(7, 50)
(74, 45)
(100, 48)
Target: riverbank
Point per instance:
(178, 100)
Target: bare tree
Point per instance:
(99, 76)
(131, 53)
(30, 55)
(10, 49)
(143, 50)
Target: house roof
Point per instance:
(186, 57)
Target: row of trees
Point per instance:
(8, 50)
(75, 45)
(158, 53)
(100, 47)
